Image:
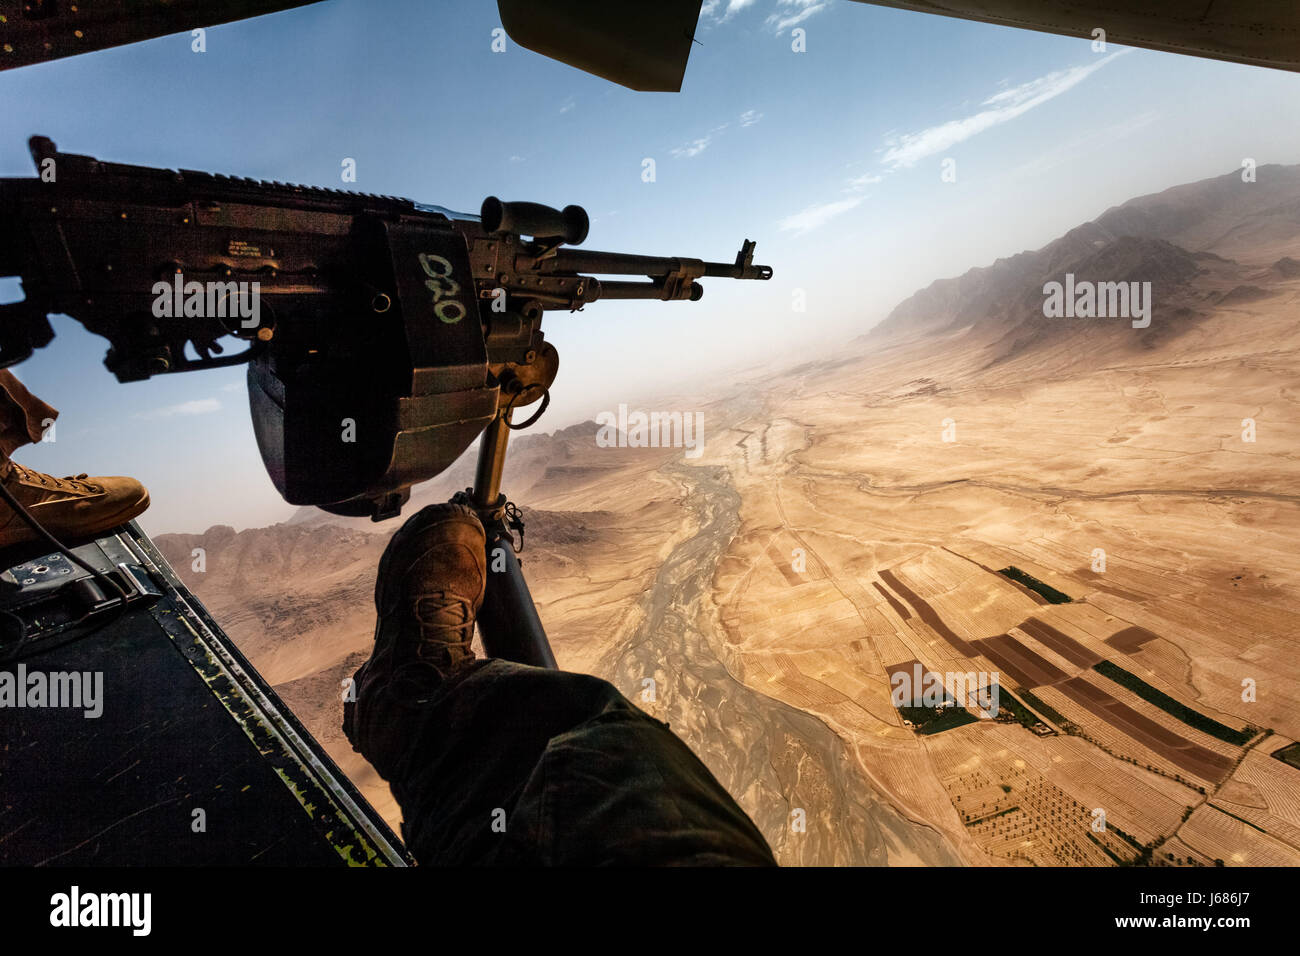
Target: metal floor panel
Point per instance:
(186, 725)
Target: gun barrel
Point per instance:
(647, 290)
(618, 263)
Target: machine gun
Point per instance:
(382, 336)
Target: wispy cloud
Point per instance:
(865, 180)
(814, 216)
(791, 13)
(784, 15)
(697, 146)
(693, 148)
(908, 149)
(728, 10)
(568, 105)
(198, 406)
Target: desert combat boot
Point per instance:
(429, 589)
(71, 508)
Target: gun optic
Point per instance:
(543, 223)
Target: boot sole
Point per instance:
(18, 531)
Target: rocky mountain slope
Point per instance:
(1200, 245)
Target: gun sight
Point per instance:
(542, 223)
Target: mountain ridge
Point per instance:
(1229, 231)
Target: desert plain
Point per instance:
(1100, 518)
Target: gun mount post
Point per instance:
(507, 621)
(491, 461)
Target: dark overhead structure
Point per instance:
(645, 44)
(34, 31)
(1257, 32)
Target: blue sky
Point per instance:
(829, 158)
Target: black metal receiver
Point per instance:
(382, 335)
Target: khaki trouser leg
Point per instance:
(23, 416)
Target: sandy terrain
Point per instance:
(853, 516)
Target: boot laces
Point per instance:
(435, 638)
(75, 484)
